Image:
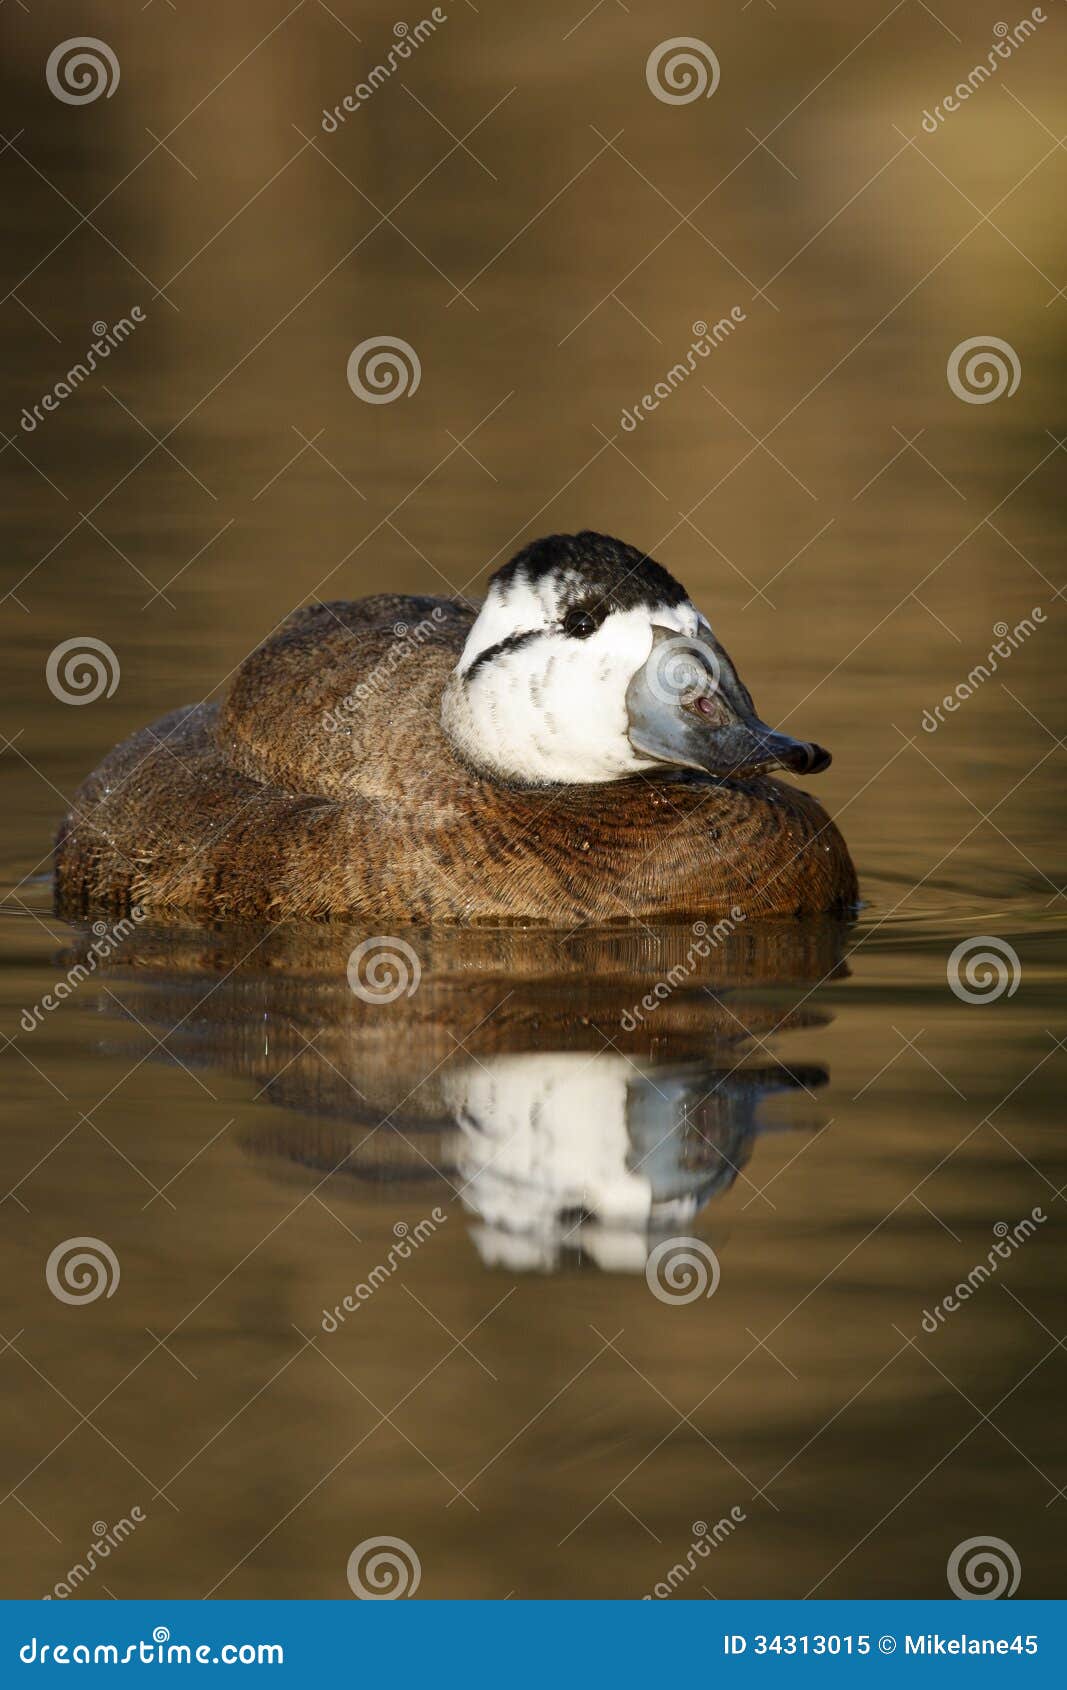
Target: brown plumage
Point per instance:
(323, 785)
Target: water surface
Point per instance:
(814, 1104)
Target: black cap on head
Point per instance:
(616, 575)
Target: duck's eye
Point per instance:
(578, 624)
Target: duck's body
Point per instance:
(326, 785)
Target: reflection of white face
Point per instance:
(539, 694)
(549, 1139)
(544, 1136)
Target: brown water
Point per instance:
(816, 1106)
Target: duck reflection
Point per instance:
(562, 1153)
(503, 1070)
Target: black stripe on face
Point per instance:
(514, 642)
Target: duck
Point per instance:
(577, 749)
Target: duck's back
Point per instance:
(344, 700)
(323, 785)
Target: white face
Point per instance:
(552, 708)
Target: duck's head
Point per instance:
(588, 662)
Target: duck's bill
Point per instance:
(687, 706)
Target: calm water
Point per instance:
(843, 1134)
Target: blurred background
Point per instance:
(518, 203)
